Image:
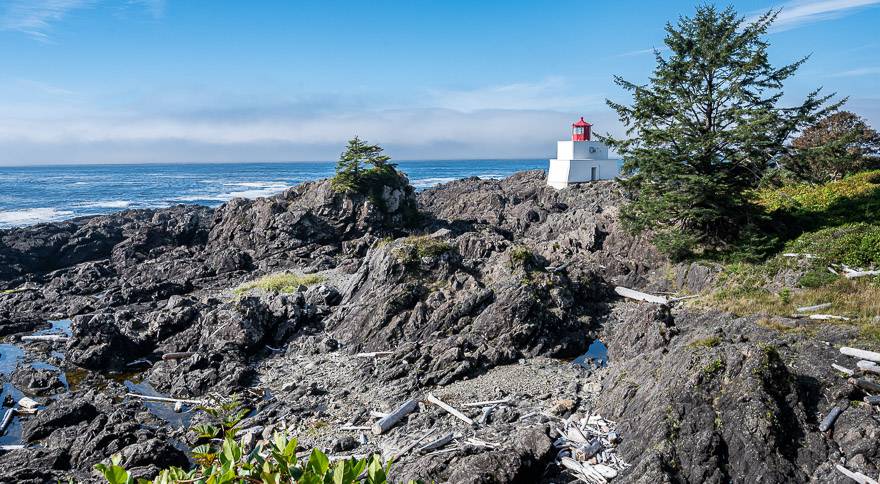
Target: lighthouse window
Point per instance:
(579, 131)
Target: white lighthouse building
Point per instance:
(580, 160)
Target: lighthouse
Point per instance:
(580, 159)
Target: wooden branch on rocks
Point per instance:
(392, 418)
(455, 413)
(412, 445)
(438, 443)
(25, 402)
(355, 427)
(796, 254)
(872, 400)
(177, 356)
(817, 307)
(163, 399)
(640, 296)
(375, 414)
(7, 419)
(856, 476)
(6, 448)
(843, 369)
(861, 354)
(851, 274)
(868, 367)
(486, 402)
(865, 384)
(829, 419)
(373, 354)
(45, 337)
(831, 270)
(828, 316)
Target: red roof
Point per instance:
(582, 123)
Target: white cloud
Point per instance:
(862, 71)
(801, 12)
(35, 17)
(548, 94)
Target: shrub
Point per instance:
(852, 244)
(709, 342)
(222, 460)
(838, 145)
(282, 282)
(521, 257)
(415, 247)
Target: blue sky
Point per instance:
(198, 80)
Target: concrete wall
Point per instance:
(581, 150)
(562, 173)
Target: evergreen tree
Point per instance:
(704, 130)
(838, 145)
(350, 169)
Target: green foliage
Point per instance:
(856, 245)
(283, 282)
(714, 367)
(415, 247)
(521, 257)
(223, 460)
(709, 342)
(703, 132)
(838, 145)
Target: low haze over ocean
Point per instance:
(30, 195)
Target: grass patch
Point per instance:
(709, 342)
(416, 247)
(281, 282)
(714, 367)
(832, 202)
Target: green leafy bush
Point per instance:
(415, 247)
(283, 282)
(852, 244)
(223, 460)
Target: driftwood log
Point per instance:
(856, 476)
(861, 354)
(817, 307)
(640, 296)
(865, 384)
(392, 418)
(829, 419)
(45, 337)
(455, 413)
(843, 369)
(873, 400)
(438, 443)
(412, 445)
(163, 399)
(5, 448)
(868, 367)
(7, 419)
(177, 356)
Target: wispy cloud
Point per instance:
(551, 93)
(35, 17)
(801, 12)
(638, 52)
(862, 71)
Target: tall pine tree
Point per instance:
(704, 130)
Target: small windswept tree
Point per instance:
(838, 145)
(704, 129)
(351, 169)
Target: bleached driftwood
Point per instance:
(829, 419)
(828, 316)
(872, 400)
(412, 445)
(796, 254)
(851, 274)
(817, 307)
(7, 419)
(865, 384)
(373, 354)
(843, 369)
(355, 427)
(487, 411)
(5, 448)
(392, 418)
(45, 337)
(438, 443)
(831, 270)
(377, 414)
(861, 354)
(177, 356)
(26, 402)
(455, 413)
(868, 367)
(640, 296)
(163, 399)
(480, 443)
(856, 476)
(486, 402)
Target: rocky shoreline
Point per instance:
(488, 296)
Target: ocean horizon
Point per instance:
(48, 193)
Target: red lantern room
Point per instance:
(580, 131)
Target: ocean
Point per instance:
(30, 195)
